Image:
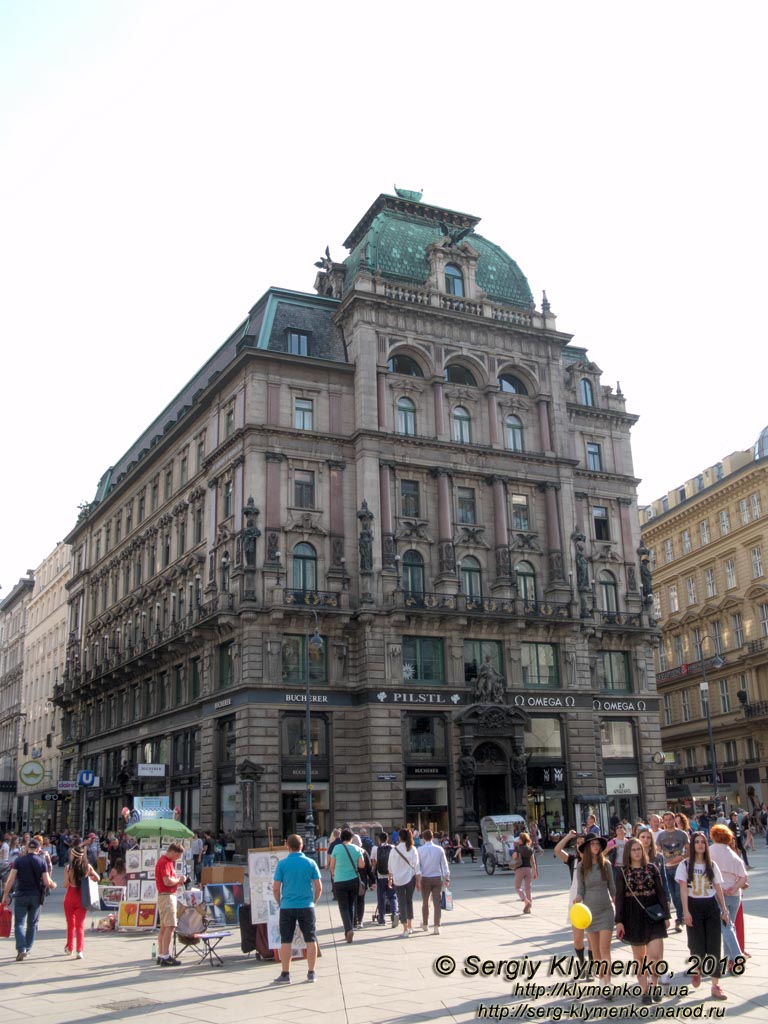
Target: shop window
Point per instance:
(544, 739)
(617, 738)
(294, 736)
(425, 736)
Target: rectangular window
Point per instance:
(665, 504)
(730, 574)
(304, 489)
(757, 563)
(183, 470)
(423, 659)
(613, 671)
(107, 542)
(698, 649)
(685, 540)
(200, 454)
(228, 492)
(154, 494)
(298, 343)
(128, 518)
(178, 685)
(751, 749)
(690, 757)
(656, 607)
(198, 524)
(226, 666)
(725, 697)
(425, 736)
(539, 665)
(710, 583)
(652, 559)
(520, 517)
(738, 629)
(679, 653)
(686, 705)
(478, 653)
(667, 709)
(303, 417)
(673, 606)
(764, 620)
(717, 636)
(142, 508)
(410, 499)
(691, 585)
(600, 519)
(295, 662)
(704, 531)
(594, 457)
(466, 502)
(195, 681)
(617, 739)
(725, 523)
(754, 501)
(226, 741)
(229, 422)
(662, 657)
(668, 551)
(744, 512)
(731, 753)
(118, 529)
(182, 537)
(168, 483)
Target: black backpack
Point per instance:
(382, 859)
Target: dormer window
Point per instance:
(298, 343)
(454, 280)
(587, 396)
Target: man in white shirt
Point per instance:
(196, 849)
(4, 849)
(434, 871)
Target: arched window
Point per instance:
(406, 416)
(471, 576)
(454, 280)
(515, 434)
(587, 395)
(457, 374)
(462, 425)
(304, 567)
(405, 365)
(413, 573)
(608, 592)
(512, 385)
(526, 581)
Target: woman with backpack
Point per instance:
(74, 911)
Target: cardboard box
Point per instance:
(223, 873)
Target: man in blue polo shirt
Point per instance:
(297, 887)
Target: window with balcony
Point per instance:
(471, 576)
(423, 659)
(303, 414)
(406, 417)
(514, 432)
(410, 498)
(454, 280)
(613, 671)
(477, 652)
(662, 657)
(304, 567)
(677, 643)
(730, 750)
(698, 649)
(467, 507)
(730, 574)
(304, 488)
(609, 592)
(413, 573)
(462, 425)
(538, 664)
(526, 581)
(751, 749)
(601, 523)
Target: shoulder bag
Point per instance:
(90, 894)
(362, 888)
(655, 912)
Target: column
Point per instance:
(493, 418)
(336, 469)
(438, 398)
(387, 526)
(500, 529)
(381, 399)
(542, 404)
(273, 404)
(446, 556)
(554, 537)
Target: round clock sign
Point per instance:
(32, 773)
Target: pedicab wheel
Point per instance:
(490, 863)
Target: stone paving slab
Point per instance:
(377, 978)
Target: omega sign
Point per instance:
(544, 702)
(619, 705)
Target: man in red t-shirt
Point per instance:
(167, 883)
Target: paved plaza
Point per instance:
(379, 977)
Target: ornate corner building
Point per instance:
(406, 498)
(708, 544)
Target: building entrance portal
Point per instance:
(491, 795)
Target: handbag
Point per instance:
(6, 916)
(446, 899)
(90, 894)
(362, 888)
(655, 912)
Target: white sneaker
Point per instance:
(425, 927)
(79, 956)
(435, 930)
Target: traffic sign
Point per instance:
(85, 778)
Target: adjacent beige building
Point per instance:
(13, 629)
(417, 464)
(44, 660)
(708, 544)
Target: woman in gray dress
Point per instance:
(596, 889)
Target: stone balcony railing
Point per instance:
(458, 304)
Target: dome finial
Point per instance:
(545, 306)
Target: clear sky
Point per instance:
(163, 163)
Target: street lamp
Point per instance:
(316, 645)
(717, 662)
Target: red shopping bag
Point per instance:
(6, 917)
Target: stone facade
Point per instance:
(431, 479)
(13, 630)
(708, 548)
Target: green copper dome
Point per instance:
(392, 240)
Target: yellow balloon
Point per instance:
(581, 915)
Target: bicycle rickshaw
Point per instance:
(496, 850)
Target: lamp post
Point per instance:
(315, 642)
(717, 662)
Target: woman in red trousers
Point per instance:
(74, 911)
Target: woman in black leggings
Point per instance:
(701, 893)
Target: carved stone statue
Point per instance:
(645, 573)
(467, 772)
(489, 685)
(582, 566)
(365, 542)
(252, 532)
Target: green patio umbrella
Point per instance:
(164, 827)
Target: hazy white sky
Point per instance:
(163, 163)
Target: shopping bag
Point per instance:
(90, 894)
(6, 916)
(446, 899)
